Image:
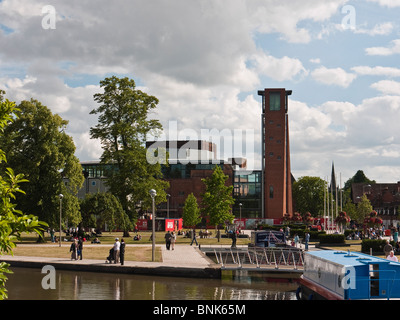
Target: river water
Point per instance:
(26, 284)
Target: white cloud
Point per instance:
(384, 28)
(387, 87)
(279, 69)
(377, 71)
(333, 76)
(363, 136)
(283, 17)
(387, 3)
(385, 51)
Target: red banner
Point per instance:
(173, 224)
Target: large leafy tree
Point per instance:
(12, 221)
(123, 126)
(217, 199)
(363, 209)
(37, 145)
(99, 209)
(308, 195)
(191, 211)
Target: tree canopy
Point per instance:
(123, 126)
(217, 199)
(12, 220)
(191, 211)
(308, 195)
(37, 145)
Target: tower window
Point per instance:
(271, 192)
(274, 101)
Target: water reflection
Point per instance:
(25, 284)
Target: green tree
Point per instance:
(358, 178)
(12, 221)
(191, 211)
(103, 208)
(37, 146)
(363, 209)
(308, 195)
(217, 199)
(123, 125)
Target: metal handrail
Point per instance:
(261, 256)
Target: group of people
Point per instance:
(76, 249)
(119, 251)
(170, 238)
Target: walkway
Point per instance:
(185, 261)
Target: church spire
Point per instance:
(333, 179)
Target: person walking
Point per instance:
(296, 240)
(117, 246)
(73, 249)
(168, 240)
(173, 239)
(122, 252)
(306, 240)
(80, 248)
(194, 238)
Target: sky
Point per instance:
(206, 60)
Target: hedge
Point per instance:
(332, 238)
(375, 244)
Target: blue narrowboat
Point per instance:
(341, 275)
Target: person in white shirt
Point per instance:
(392, 257)
(116, 248)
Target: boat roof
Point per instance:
(348, 258)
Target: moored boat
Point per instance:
(341, 275)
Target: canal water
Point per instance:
(26, 284)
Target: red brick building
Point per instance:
(277, 175)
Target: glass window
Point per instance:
(271, 192)
(274, 101)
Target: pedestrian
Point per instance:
(392, 257)
(194, 237)
(80, 248)
(73, 249)
(122, 252)
(234, 236)
(306, 240)
(296, 240)
(52, 235)
(387, 248)
(173, 239)
(117, 246)
(168, 240)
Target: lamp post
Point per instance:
(168, 196)
(153, 194)
(61, 197)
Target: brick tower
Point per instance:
(277, 177)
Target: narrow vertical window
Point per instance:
(274, 101)
(271, 192)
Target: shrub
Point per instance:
(375, 244)
(332, 238)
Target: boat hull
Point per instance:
(309, 290)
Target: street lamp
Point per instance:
(61, 197)
(153, 194)
(168, 196)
